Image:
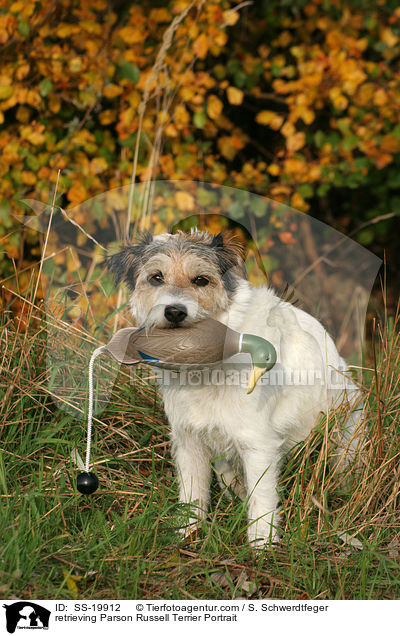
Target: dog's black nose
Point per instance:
(175, 313)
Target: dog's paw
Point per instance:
(262, 535)
(262, 544)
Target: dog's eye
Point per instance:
(200, 281)
(156, 279)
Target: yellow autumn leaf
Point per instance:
(132, 35)
(75, 65)
(214, 106)
(98, 164)
(33, 98)
(134, 98)
(283, 40)
(230, 17)
(28, 177)
(84, 138)
(187, 93)
(340, 102)
(90, 26)
(54, 103)
(34, 136)
(107, 117)
(276, 122)
(383, 160)
(181, 116)
(65, 30)
(77, 193)
(306, 114)
(388, 37)
(22, 71)
(17, 7)
(99, 5)
(269, 118)
(116, 200)
(184, 201)
(74, 313)
(295, 167)
(229, 146)
(264, 117)
(234, 95)
(171, 131)
(274, 169)
(71, 581)
(92, 47)
(201, 45)
(180, 5)
(352, 76)
(298, 202)
(6, 91)
(127, 116)
(365, 93)
(380, 97)
(280, 193)
(44, 172)
(112, 90)
(160, 15)
(163, 117)
(295, 142)
(219, 38)
(389, 143)
(288, 129)
(314, 172)
(12, 251)
(338, 99)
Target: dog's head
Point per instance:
(178, 279)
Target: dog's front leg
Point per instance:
(192, 459)
(261, 470)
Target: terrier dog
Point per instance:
(176, 280)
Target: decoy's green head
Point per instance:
(263, 357)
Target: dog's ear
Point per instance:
(126, 263)
(230, 253)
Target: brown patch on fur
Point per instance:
(177, 275)
(232, 242)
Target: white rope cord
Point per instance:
(95, 353)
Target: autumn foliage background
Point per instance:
(298, 101)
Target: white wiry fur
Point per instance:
(253, 431)
(220, 420)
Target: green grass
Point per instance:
(122, 542)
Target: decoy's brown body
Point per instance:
(205, 342)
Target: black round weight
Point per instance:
(87, 483)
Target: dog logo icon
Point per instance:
(26, 615)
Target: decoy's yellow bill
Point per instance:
(255, 375)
